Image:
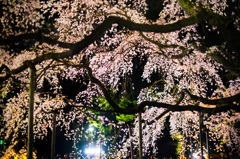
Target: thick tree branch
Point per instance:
(188, 107)
(115, 107)
(227, 100)
(96, 34)
(140, 107)
(35, 61)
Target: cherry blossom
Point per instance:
(187, 62)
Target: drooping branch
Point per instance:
(140, 107)
(181, 98)
(94, 80)
(162, 46)
(96, 34)
(158, 117)
(34, 62)
(229, 66)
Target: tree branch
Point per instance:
(187, 107)
(181, 98)
(115, 107)
(140, 107)
(227, 100)
(235, 70)
(96, 34)
(7, 74)
(179, 56)
(158, 117)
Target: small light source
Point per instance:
(195, 155)
(91, 129)
(93, 151)
(1, 142)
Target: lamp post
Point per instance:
(207, 141)
(30, 112)
(53, 135)
(53, 139)
(200, 134)
(131, 143)
(208, 150)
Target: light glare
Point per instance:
(92, 151)
(91, 129)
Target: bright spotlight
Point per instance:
(91, 129)
(195, 155)
(93, 151)
(198, 154)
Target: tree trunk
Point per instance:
(53, 135)
(30, 112)
(140, 134)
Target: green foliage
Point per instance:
(124, 103)
(179, 147)
(178, 137)
(94, 123)
(101, 101)
(125, 118)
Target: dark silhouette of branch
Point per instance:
(161, 46)
(179, 108)
(157, 118)
(227, 100)
(115, 107)
(181, 98)
(96, 34)
(7, 70)
(140, 107)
